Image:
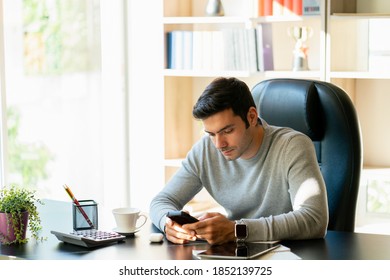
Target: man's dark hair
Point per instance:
(222, 94)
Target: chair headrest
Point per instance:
(290, 103)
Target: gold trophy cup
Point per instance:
(300, 34)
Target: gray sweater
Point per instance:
(279, 193)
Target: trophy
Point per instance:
(300, 35)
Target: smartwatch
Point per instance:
(241, 231)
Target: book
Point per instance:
(175, 49)
(207, 51)
(264, 44)
(251, 49)
(229, 49)
(297, 7)
(197, 54)
(169, 60)
(187, 47)
(217, 50)
(260, 8)
(311, 7)
(240, 55)
(288, 8)
(268, 8)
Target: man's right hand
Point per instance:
(176, 234)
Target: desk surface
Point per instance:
(57, 215)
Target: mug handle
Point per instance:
(145, 219)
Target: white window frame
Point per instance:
(3, 126)
(145, 63)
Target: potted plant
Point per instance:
(18, 212)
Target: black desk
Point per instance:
(57, 215)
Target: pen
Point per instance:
(75, 201)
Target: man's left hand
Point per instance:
(215, 228)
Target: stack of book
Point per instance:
(229, 49)
(288, 7)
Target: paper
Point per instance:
(281, 253)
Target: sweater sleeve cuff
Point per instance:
(257, 230)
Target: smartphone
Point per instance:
(181, 217)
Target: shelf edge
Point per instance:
(359, 15)
(359, 75)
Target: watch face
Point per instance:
(241, 231)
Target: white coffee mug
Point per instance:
(127, 219)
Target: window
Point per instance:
(64, 111)
(373, 208)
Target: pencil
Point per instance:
(75, 201)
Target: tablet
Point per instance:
(238, 251)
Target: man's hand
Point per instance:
(176, 233)
(215, 228)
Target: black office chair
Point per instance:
(326, 114)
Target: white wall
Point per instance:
(372, 104)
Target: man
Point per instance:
(267, 178)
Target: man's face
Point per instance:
(229, 134)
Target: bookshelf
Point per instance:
(183, 86)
